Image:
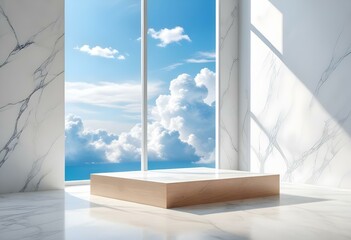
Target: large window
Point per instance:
(103, 85)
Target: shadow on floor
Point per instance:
(249, 204)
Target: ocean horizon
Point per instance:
(82, 171)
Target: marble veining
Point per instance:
(31, 102)
(309, 212)
(18, 46)
(231, 21)
(228, 83)
(294, 108)
(336, 59)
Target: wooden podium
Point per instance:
(170, 188)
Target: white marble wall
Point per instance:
(228, 64)
(295, 90)
(31, 95)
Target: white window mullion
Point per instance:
(144, 111)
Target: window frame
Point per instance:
(144, 97)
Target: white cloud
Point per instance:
(121, 57)
(125, 96)
(167, 36)
(125, 148)
(182, 126)
(203, 57)
(208, 79)
(207, 54)
(172, 66)
(98, 146)
(100, 52)
(184, 110)
(108, 125)
(202, 60)
(79, 147)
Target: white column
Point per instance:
(217, 85)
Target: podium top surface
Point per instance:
(182, 175)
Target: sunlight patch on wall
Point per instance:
(268, 20)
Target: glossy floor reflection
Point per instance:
(301, 212)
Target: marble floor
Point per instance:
(301, 212)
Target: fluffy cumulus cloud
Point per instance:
(98, 146)
(101, 52)
(79, 143)
(165, 144)
(125, 148)
(168, 36)
(182, 127)
(207, 78)
(184, 110)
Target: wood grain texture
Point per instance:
(212, 191)
(187, 193)
(146, 192)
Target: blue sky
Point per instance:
(102, 52)
(198, 21)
